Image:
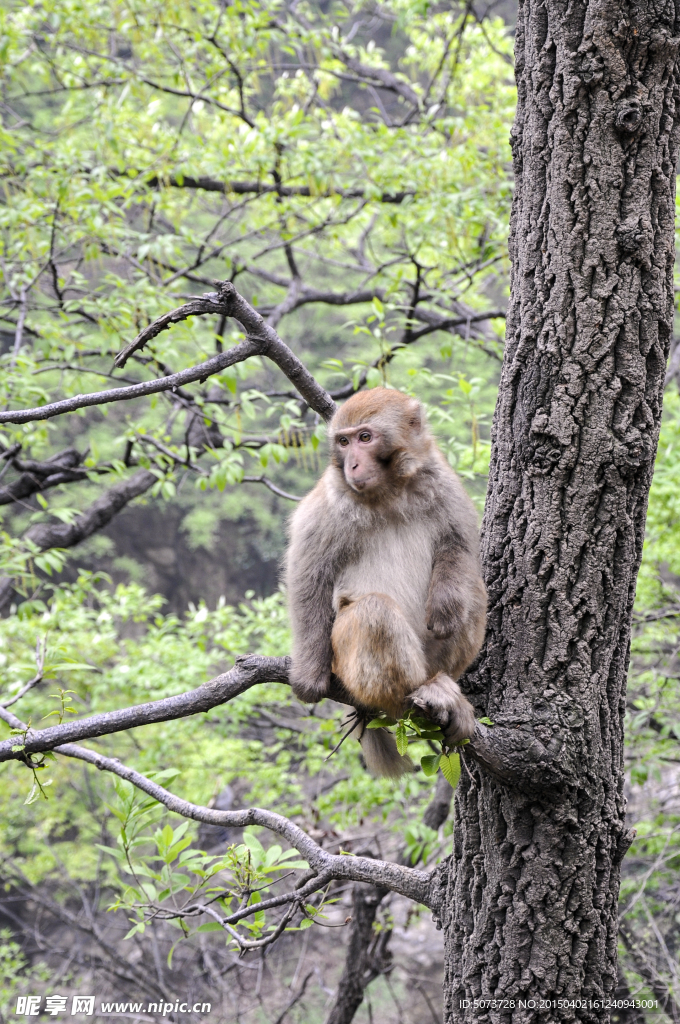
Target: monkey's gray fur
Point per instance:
(383, 576)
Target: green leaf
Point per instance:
(450, 766)
(140, 927)
(402, 738)
(485, 721)
(430, 763)
(273, 855)
(33, 795)
(255, 846)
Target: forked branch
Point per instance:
(261, 340)
(408, 881)
(325, 866)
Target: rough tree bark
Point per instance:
(529, 894)
(368, 954)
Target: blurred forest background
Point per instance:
(347, 166)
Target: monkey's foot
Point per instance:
(442, 701)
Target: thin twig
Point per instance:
(37, 678)
(19, 332)
(272, 487)
(355, 720)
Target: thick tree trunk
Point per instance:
(529, 895)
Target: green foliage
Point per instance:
(117, 110)
(106, 649)
(650, 870)
(416, 728)
(168, 879)
(16, 974)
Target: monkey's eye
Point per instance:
(343, 442)
(364, 435)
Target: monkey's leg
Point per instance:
(442, 701)
(377, 653)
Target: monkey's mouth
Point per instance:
(367, 483)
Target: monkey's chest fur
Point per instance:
(381, 646)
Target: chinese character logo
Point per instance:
(83, 1004)
(28, 1005)
(55, 1005)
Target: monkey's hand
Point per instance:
(440, 621)
(442, 701)
(310, 683)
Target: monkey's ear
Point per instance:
(415, 419)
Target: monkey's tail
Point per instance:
(381, 755)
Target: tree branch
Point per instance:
(397, 878)
(228, 302)
(368, 952)
(260, 188)
(261, 340)
(99, 513)
(649, 973)
(248, 671)
(383, 78)
(514, 756)
(271, 486)
(148, 387)
(517, 757)
(64, 467)
(409, 882)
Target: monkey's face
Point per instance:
(361, 454)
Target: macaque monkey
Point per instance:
(383, 576)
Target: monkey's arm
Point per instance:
(310, 579)
(456, 604)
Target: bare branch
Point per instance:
(383, 78)
(64, 467)
(197, 96)
(228, 302)
(99, 513)
(261, 340)
(647, 970)
(294, 999)
(272, 487)
(436, 322)
(366, 957)
(260, 188)
(368, 953)
(409, 882)
(148, 387)
(247, 672)
(209, 302)
(516, 756)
